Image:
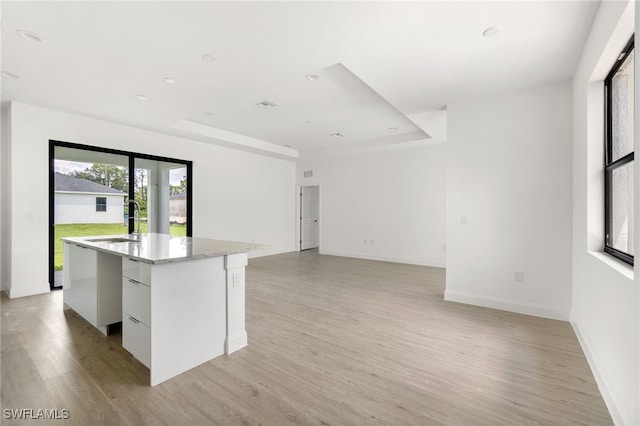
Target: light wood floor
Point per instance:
(332, 341)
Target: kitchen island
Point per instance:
(181, 300)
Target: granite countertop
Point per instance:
(162, 248)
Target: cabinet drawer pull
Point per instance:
(132, 281)
(134, 320)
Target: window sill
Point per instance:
(617, 265)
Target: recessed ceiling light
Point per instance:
(141, 97)
(289, 145)
(169, 80)
(337, 135)
(208, 58)
(28, 35)
(492, 31)
(9, 75)
(266, 104)
(308, 121)
(312, 77)
(209, 113)
(393, 129)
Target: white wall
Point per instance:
(5, 234)
(74, 207)
(236, 195)
(509, 175)
(605, 313)
(394, 198)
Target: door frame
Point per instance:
(299, 214)
(131, 156)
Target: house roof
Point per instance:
(66, 183)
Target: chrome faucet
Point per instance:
(137, 233)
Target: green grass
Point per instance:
(88, 229)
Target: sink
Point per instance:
(112, 240)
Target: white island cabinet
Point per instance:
(90, 286)
(180, 299)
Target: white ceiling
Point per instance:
(380, 65)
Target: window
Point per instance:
(619, 161)
(151, 180)
(101, 204)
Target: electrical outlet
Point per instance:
(365, 242)
(518, 277)
(464, 220)
(370, 242)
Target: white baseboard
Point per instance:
(617, 414)
(235, 342)
(421, 262)
(507, 305)
(22, 291)
(268, 252)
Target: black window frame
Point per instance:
(101, 204)
(132, 157)
(609, 165)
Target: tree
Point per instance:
(181, 187)
(140, 180)
(115, 177)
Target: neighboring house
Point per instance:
(84, 201)
(178, 208)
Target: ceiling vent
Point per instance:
(266, 104)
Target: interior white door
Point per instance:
(309, 217)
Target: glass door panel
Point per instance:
(160, 187)
(90, 191)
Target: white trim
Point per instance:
(421, 262)
(615, 264)
(235, 342)
(369, 148)
(115, 194)
(24, 291)
(299, 215)
(612, 403)
(298, 195)
(269, 252)
(234, 138)
(534, 309)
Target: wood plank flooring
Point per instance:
(332, 341)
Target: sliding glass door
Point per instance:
(89, 195)
(89, 190)
(161, 188)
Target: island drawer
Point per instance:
(136, 338)
(136, 270)
(136, 299)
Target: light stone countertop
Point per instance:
(163, 248)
